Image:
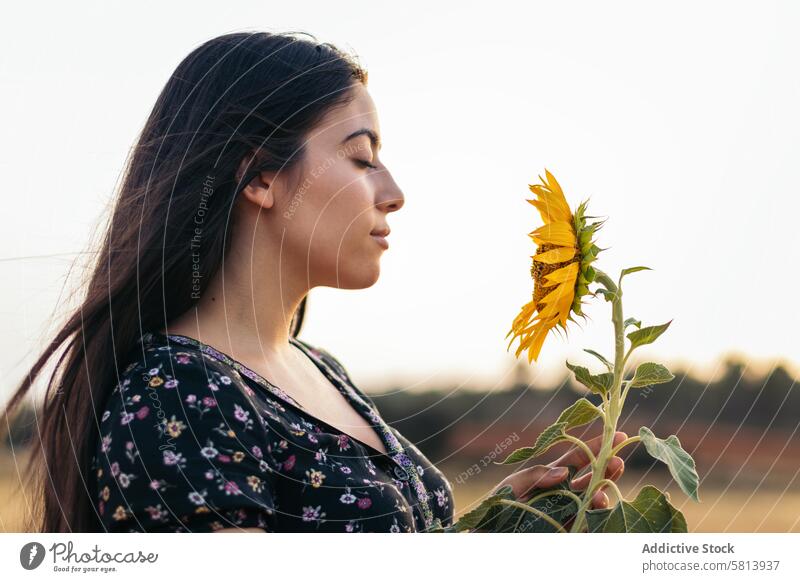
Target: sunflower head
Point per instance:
(561, 269)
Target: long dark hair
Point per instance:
(250, 96)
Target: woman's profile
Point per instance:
(182, 399)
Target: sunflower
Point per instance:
(561, 269)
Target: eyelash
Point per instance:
(365, 164)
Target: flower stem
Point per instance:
(613, 404)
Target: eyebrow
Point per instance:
(373, 137)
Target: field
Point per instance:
(774, 508)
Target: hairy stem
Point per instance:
(614, 404)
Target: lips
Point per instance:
(382, 231)
(381, 240)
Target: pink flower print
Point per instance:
(171, 458)
(223, 458)
(142, 412)
(312, 438)
(129, 445)
(191, 399)
(213, 386)
(283, 444)
(311, 513)
(114, 469)
(136, 398)
(106, 444)
(182, 358)
(126, 418)
(344, 442)
(232, 488)
(155, 484)
(289, 463)
(171, 383)
(345, 469)
(209, 401)
(364, 503)
(240, 413)
(257, 452)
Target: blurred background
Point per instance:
(680, 122)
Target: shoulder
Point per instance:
(180, 438)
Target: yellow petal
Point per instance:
(558, 255)
(555, 233)
(564, 274)
(555, 204)
(548, 212)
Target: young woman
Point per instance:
(182, 398)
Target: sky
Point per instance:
(679, 120)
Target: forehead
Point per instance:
(359, 113)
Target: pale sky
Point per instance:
(681, 121)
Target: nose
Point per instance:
(390, 197)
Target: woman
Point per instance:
(183, 399)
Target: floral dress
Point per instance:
(191, 440)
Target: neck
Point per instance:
(248, 307)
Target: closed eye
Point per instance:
(365, 164)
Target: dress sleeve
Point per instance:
(182, 448)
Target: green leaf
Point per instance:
(631, 321)
(580, 413)
(630, 270)
(647, 335)
(650, 373)
(550, 436)
(650, 512)
(597, 383)
(608, 295)
(471, 519)
(502, 518)
(680, 463)
(600, 357)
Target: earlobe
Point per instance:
(257, 190)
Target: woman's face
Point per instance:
(328, 209)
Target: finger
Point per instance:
(576, 456)
(600, 499)
(614, 469)
(537, 477)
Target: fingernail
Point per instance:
(557, 472)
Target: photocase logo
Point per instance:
(31, 555)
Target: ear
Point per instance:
(259, 190)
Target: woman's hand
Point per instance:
(525, 482)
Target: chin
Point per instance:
(360, 276)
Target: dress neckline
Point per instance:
(396, 452)
(362, 408)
